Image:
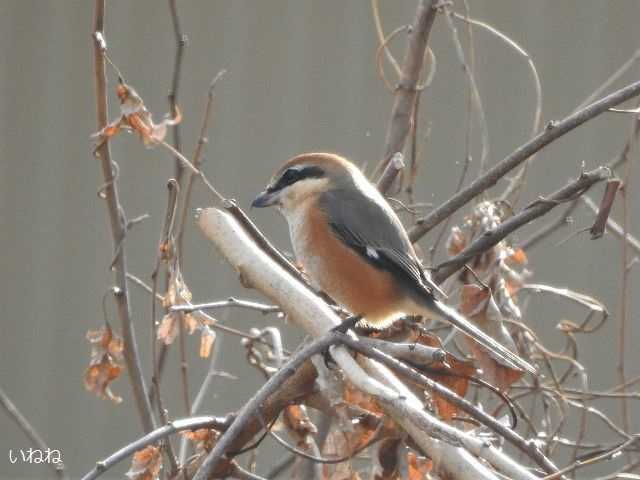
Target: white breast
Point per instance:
(299, 232)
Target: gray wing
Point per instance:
(375, 232)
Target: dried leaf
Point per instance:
(105, 364)
(135, 116)
(388, 459)
(452, 373)
(298, 423)
(419, 467)
(487, 316)
(168, 329)
(473, 300)
(203, 439)
(456, 241)
(207, 339)
(177, 293)
(190, 322)
(354, 396)
(146, 464)
(518, 257)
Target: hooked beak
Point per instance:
(265, 199)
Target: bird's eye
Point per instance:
(293, 175)
(290, 176)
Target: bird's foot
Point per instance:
(344, 327)
(347, 324)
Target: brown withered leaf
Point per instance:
(350, 435)
(453, 373)
(146, 464)
(135, 116)
(191, 322)
(354, 396)
(168, 329)
(456, 241)
(178, 292)
(298, 423)
(105, 364)
(388, 459)
(419, 467)
(478, 305)
(203, 439)
(518, 256)
(207, 339)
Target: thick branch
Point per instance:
(553, 131)
(118, 229)
(407, 89)
(441, 441)
(461, 403)
(529, 213)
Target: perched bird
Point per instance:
(353, 246)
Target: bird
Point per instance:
(352, 246)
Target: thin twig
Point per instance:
(30, 432)
(197, 162)
(163, 252)
(563, 219)
(185, 424)
(202, 393)
(181, 43)
(209, 319)
(624, 287)
(407, 89)
(533, 211)
(613, 226)
(516, 183)
(511, 436)
(473, 89)
(230, 302)
(328, 461)
(236, 471)
(624, 68)
(381, 36)
(118, 223)
(553, 131)
(253, 406)
(592, 460)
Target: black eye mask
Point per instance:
(293, 175)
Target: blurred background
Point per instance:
(301, 77)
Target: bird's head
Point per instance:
(303, 177)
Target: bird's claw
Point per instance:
(344, 327)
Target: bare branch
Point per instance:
(185, 424)
(553, 131)
(529, 213)
(463, 404)
(118, 232)
(181, 43)
(30, 432)
(253, 406)
(230, 302)
(407, 89)
(613, 226)
(197, 161)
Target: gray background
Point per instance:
(302, 77)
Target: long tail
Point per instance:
(468, 328)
